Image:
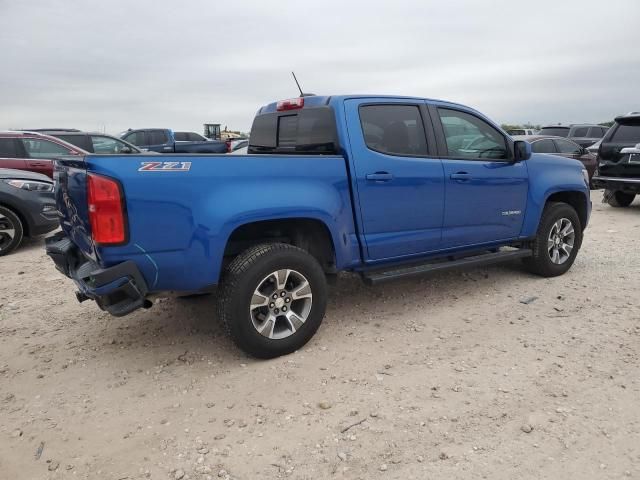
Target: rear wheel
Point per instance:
(273, 299)
(11, 231)
(557, 241)
(619, 199)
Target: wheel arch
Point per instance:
(576, 199)
(310, 234)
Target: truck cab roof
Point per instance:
(325, 100)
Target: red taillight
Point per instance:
(106, 214)
(290, 104)
(228, 144)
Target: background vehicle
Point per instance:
(594, 148)
(234, 145)
(27, 207)
(189, 137)
(162, 140)
(241, 151)
(33, 151)
(417, 186)
(583, 134)
(562, 147)
(619, 162)
(586, 135)
(521, 131)
(94, 142)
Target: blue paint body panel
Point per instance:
(179, 222)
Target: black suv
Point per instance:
(584, 135)
(618, 168)
(93, 142)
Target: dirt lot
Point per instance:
(452, 376)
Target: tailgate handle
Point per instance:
(379, 177)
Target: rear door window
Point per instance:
(467, 136)
(8, 148)
(581, 132)
(543, 146)
(37, 148)
(394, 129)
(107, 145)
(596, 132)
(181, 136)
(627, 134)
(158, 137)
(567, 147)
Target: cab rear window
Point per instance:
(305, 131)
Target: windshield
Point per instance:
(555, 131)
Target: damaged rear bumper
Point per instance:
(119, 289)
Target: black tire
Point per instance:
(9, 220)
(245, 274)
(540, 263)
(619, 199)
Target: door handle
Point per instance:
(38, 164)
(460, 176)
(379, 177)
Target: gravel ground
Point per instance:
(488, 373)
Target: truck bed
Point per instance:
(181, 209)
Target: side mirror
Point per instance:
(521, 150)
(125, 150)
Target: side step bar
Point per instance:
(380, 276)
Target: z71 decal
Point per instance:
(165, 167)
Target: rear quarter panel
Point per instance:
(179, 222)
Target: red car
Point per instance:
(33, 151)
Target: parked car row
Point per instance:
(584, 134)
(165, 140)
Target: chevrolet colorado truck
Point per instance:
(164, 140)
(388, 187)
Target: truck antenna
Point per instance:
(298, 84)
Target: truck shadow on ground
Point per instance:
(190, 324)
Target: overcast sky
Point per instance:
(116, 64)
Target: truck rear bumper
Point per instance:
(624, 184)
(119, 290)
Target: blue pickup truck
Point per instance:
(165, 140)
(388, 187)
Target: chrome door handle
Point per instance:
(379, 177)
(460, 176)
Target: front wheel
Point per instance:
(273, 299)
(616, 198)
(11, 231)
(557, 241)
